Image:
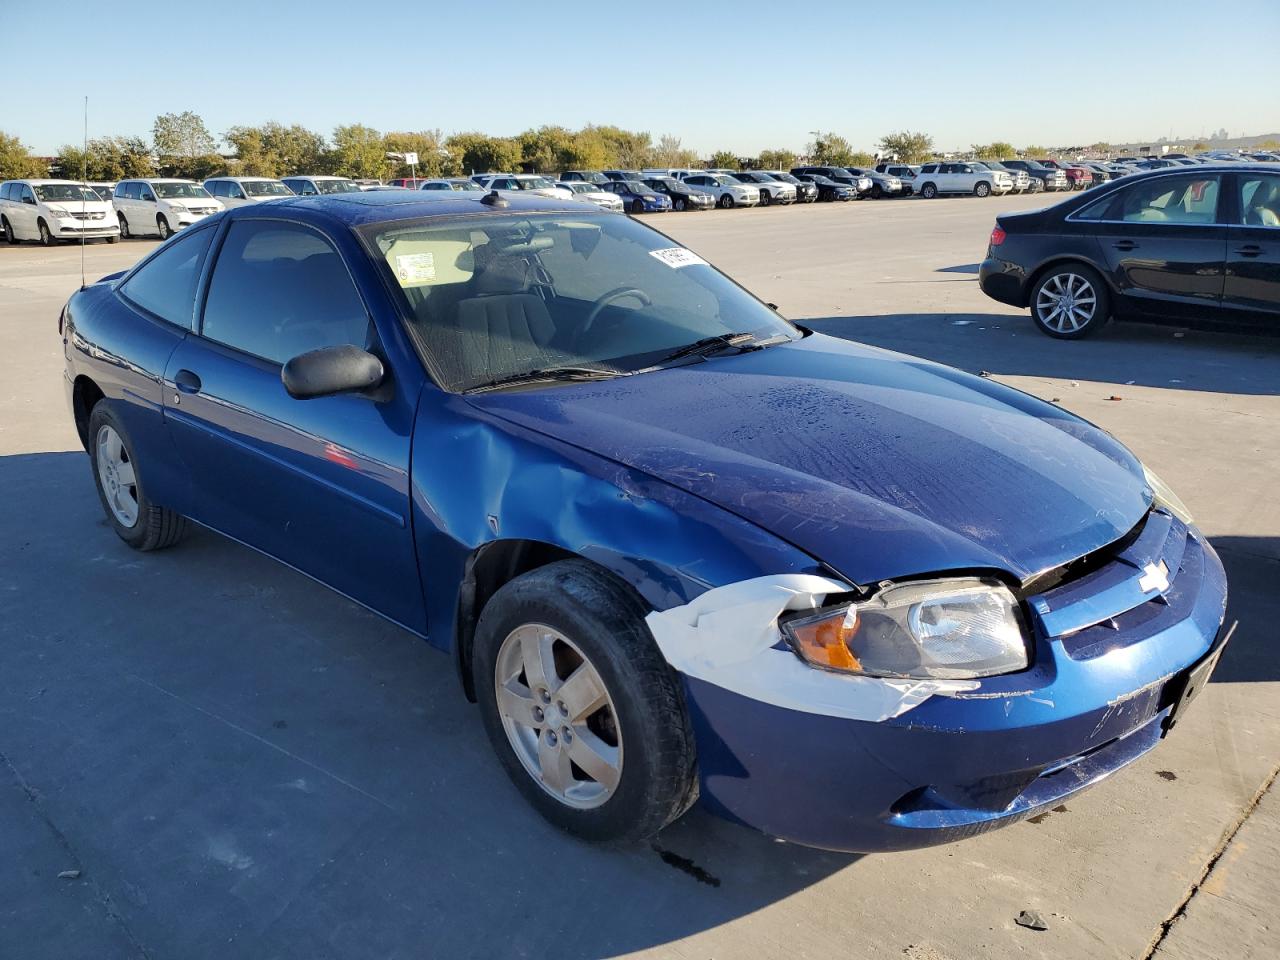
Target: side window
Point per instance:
(1181, 199)
(145, 192)
(4, 191)
(216, 188)
(166, 284)
(27, 195)
(929, 168)
(233, 190)
(1259, 199)
(1097, 210)
(279, 290)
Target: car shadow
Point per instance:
(1122, 353)
(960, 268)
(1253, 570)
(229, 748)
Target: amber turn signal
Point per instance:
(824, 640)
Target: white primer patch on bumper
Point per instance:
(727, 636)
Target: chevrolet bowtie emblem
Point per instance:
(1154, 578)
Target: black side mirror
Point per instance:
(331, 370)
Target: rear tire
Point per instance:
(928, 191)
(1070, 301)
(982, 189)
(118, 478)
(563, 618)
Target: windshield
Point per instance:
(464, 185)
(784, 177)
(533, 183)
(598, 290)
(53, 192)
(724, 181)
(578, 186)
(744, 177)
(173, 191)
(336, 186)
(265, 188)
(666, 183)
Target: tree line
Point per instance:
(181, 145)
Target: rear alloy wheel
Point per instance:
(162, 224)
(46, 238)
(726, 201)
(1069, 302)
(585, 714)
(928, 191)
(982, 189)
(135, 519)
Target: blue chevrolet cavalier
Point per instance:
(676, 546)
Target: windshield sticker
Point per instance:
(677, 257)
(415, 268)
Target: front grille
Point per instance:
(89, 216)
(1126, 592)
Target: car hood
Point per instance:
(877, 464)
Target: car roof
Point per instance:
(43, 181)
(390, 206)
(313, 176)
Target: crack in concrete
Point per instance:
(1181, 909)
(103, 898)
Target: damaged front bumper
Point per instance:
(964, 761)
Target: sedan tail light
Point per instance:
(997, 235)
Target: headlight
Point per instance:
(935, 629)
(1166, 498)
(58, 212)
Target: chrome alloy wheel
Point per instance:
(1066, 303)
(558, 716)
(116, 475)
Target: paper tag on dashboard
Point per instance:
(677, 257)
(415, 268)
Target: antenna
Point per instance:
(84, 187)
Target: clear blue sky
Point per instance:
(963, 72)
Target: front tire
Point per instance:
(8, 231)
(982, 189)
(124, 226)
(46, 238)
(136, 520)
(726, 201)
(877, 192)
(928, 191)
(162, 224)
(679, 204)
(1070, 301)
(766, 198)
(637, 206)
(585, 714)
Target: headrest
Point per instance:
(502, 274)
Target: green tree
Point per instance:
(274, 150)
(862, 159)
(195, 168)
(357, 152)
(777, 159)
(1034, 151)
(425, 143)
(588, 151)
(626, 149)
(726, 159)
(479, 152)
(182, 135)
(108, 158)
(830, 149)
(1102, 148)
(999, 150)
(16, 160)
(546, 149)
(907, 147)
(670, 152)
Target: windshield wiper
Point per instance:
(710, 345)
(547, 373)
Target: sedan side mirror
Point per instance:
(331, 370)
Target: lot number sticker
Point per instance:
(415, 268)
(677, 257)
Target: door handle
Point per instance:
(1125, 245)
(186, 381)
(1249, 250)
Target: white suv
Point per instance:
(244, 191)
(727, 191)
(53, 210)
(160, 206)
(937, 178)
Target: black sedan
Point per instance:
(1181, 244)
(828, 189)
(681, 195)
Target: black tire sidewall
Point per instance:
(124, 227)
(606, 623)
(1102, 309)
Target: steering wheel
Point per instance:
(602, 301)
